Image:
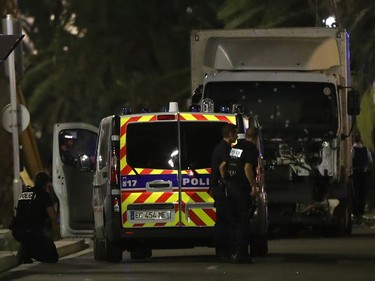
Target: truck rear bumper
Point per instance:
(286, 214)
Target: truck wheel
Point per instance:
(258, 246)
(348, 227)
(340, 229)
(344, 225)
(140, 253)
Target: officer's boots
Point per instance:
(241, 255)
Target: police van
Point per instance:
(141, 182)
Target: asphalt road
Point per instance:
(313, 258)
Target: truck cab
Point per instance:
(150, 177)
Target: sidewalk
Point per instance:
(64, 247)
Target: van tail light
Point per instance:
(114, 166)
(166, 117)
(116, 205)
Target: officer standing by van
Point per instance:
(34, 209)
(217, 186)
(362, 160)
(240, 173)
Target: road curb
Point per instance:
(64, 247)
(7, 261)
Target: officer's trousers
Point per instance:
(34, 244)
(359, 192)
(222, 225)
(240, 205)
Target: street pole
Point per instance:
(17, 185)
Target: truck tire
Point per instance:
(258, 246)
(344, 226)
(340, 229)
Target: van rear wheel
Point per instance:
(105, 250)
(113, 251)
(99, 249)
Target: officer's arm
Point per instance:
(222, 169)
(250, 177)
(53, 218)
(369, 156)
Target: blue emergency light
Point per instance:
(224, 109)
(195, 108)
(126, 110)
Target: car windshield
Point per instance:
(284, 109)
(155, 145)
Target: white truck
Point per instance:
(296, 82)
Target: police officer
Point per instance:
(222, 227)
(362, 160)
(34, 209)
(66, 147)
(240, 173)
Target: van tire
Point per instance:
(104, 250)
(99, 249)
(113, 251)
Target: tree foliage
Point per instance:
(95, 58)
(89, 59)
(268, 13)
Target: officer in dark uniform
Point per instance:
(34, 209)
(222, 227)
(66, 147)
(240, 173)
(362, 161)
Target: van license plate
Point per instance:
(150, 215)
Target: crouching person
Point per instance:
(34, 209)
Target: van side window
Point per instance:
(76, 142)
(103, 145)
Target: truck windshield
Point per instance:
(284, 109)
(155, 145)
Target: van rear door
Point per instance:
(165, 169)
(72, 185)
(199, 134)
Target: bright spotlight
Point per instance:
(330, 21)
